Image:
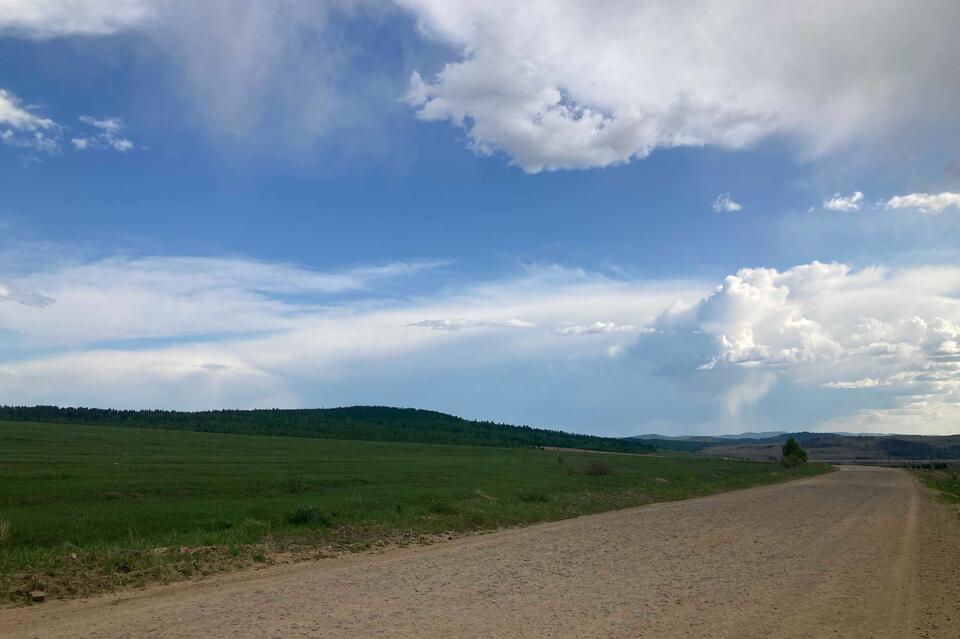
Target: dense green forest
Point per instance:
(910, 449)
(370, 423)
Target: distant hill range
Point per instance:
(829, 447)
(372, 423)
(762, 435)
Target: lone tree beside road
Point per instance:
(793, 455)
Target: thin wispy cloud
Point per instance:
(24, 296)
(24, 128)
(598, 328)
(108, 135)
(866, 382)
(726, 204)
(462, 323)
(54, 18)
(247, 333)
(124, 298)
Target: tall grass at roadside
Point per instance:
(945, 481)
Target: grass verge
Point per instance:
(88, 509)
(945, 482)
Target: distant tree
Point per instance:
(598, 467)
(793, 454)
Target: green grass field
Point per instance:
(92, 508)
(946, 482)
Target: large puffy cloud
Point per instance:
(892, 335)
(552, 84)
(557, 84)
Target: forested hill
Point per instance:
(372, 423)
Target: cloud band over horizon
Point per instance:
(198, 333)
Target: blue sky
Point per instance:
(633, 220)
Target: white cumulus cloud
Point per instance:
(563, 84)
(894, 333)
(845, 203)
(925, 202)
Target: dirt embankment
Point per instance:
(856, 553)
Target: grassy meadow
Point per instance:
(85, 509)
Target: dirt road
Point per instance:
(856, 553)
